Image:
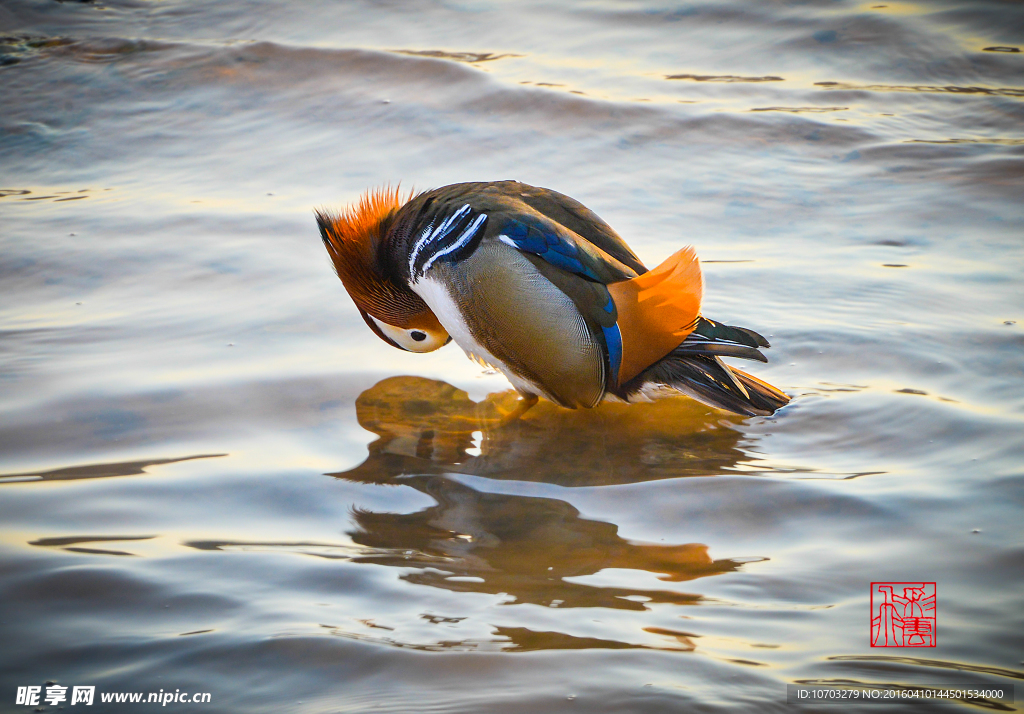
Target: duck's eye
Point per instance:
(409, 338)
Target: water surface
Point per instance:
(216, 479)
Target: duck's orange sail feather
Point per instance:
(657, 310)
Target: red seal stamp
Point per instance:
(903, 614)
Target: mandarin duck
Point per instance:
(533, 283)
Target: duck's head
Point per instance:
(355, 240)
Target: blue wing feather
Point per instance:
(538, 239)
(613, 340)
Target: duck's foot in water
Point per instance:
(525, 403)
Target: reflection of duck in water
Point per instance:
(525, 546)
(528, 546)
(534, 283)
(430, 427)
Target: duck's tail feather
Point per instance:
(716, 331)
(695, 369)
(696, 347)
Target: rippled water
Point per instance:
(216, 479)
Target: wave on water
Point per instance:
(215, 478)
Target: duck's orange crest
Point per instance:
(353, 239)
(360, 223)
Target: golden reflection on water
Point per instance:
(528, 547)
(893, 8)
(430, 427)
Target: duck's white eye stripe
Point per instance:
(412, 340)
(467, 235)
